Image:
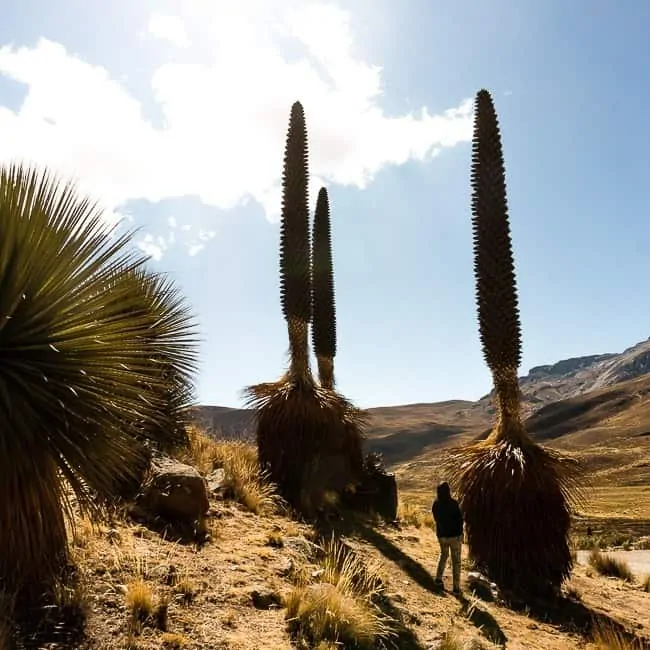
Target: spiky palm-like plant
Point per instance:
(78, 384)
(170, 316)
(308, 436)
(323, 327)
(516, 496)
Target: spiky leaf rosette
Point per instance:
(173, 333)
(73, 367)
(309, 439)
(517, 503)
(494, 270)
(323, 327)
(295, 268)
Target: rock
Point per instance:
(175, 492)
(264, 598)
(376, 493)
(216, 481)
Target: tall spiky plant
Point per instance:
(295, 271)
(77, 385)
(516, 496)
(323, 327)
(308, 436)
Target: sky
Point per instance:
(173, 115)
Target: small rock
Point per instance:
(263, 598)
(216, 481)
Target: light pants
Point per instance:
(452, 544)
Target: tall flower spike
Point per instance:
(323, 305)
(295, 268)
(496, 290)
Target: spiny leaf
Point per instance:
(494, 270)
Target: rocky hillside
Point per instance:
(573, 377)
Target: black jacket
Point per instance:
(447, 515)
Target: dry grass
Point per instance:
(608, 565)
(411, 514)
(449, 641)
(173, 641)
(340, 607)
(139, 601)
(607, 638)
(243, 480)
(185, 590)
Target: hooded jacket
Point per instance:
(446, 513)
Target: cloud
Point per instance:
(225, 114)
(154, 247)
(169, 28)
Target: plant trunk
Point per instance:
(299, 370)
(326, 371)
(33, 536)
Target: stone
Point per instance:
(216, 481)
(264, 598)
(174, 491)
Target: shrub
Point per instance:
(608, 565)
(93, 347)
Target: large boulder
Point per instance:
(377, 490)
(174, 492)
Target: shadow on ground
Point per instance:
(575, 617)
(482, 619)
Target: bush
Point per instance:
(608, 565)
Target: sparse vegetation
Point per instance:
(243, 479)
(411, 514)
(340, 606)
(608, 565)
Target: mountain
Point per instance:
(572, 377)
(598, 402)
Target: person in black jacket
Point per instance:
(449, 529)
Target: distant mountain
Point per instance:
(553, 397)
(577, 376)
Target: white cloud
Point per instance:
(225, 118)
(154, 247)
(169, 28)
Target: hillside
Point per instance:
(572, 404)
(143, 591)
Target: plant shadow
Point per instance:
(416, 571)
(486, 624)
(572, 616)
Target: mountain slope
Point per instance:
(595, 405)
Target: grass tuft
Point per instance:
(411, 514)
(243, 480)
(607, 565)
(139, 601)
(340, 607)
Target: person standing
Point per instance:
(449, 530)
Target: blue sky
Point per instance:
(173, 114)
